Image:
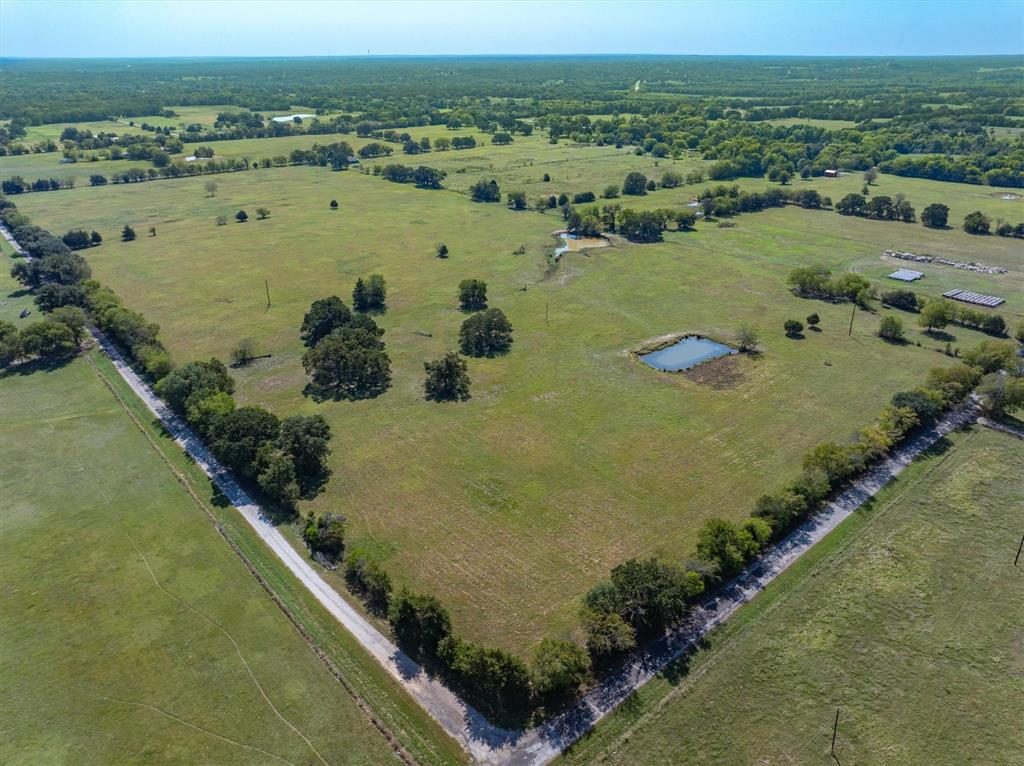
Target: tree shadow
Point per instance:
(311, 486)
(940, 335)
(442, 398)
(490, 353)
(40, 365)
(337, 394)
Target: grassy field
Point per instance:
(570, 456)
(13, 297)
(908, 618)
(131, 631)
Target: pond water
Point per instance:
(686, 353)
(574, 242)
(291, 117)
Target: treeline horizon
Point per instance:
(41, 90)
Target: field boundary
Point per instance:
(399, 750)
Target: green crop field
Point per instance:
(909, 618)
(570, 456)
(131, 631)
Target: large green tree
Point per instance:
(447, 378)
(350, 363)
(488, 333)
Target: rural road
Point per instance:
(7, 235)
(488, 744)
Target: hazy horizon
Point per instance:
(303, 29)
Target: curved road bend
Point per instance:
(488, 744)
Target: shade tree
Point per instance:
(447, 378)
(488, 333)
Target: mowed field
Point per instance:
(570, 456)
(130, 631)
(909, 619)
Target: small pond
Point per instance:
(574, 243)
(686, 353)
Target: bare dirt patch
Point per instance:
(722, 373)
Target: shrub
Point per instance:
(793, 328)
(559, 667)
(992, 356)
(447, 379)
(325, 535)
(813, 320)
(494, 681)
(935, 216)
(366, 578)
(516, 200)
(936, 314)
(607, 634)
(194, 382)
(420, 623)
(977, 223)
(485, 191)
(747, 337)
(835, 461)
(1000, 393)
(725, 546)
(472, 295)
(635, 184)
(905, 300)
(243, 352)
(926, 405)
(241, 216)
(891, 328)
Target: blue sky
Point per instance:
(102, 28)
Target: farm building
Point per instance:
(990, 301)
(831, 173)
(906, 275)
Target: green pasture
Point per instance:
(130, 630)
(908, 619)
(570, 456)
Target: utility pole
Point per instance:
(852, 315)
(266, 284)
(835, 729)
(1019, 549)
(546, 311)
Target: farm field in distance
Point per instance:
(908, 618)
(131, 632)
(570, 456)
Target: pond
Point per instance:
(574, 243)
(686, 353)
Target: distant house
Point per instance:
(830, 173)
